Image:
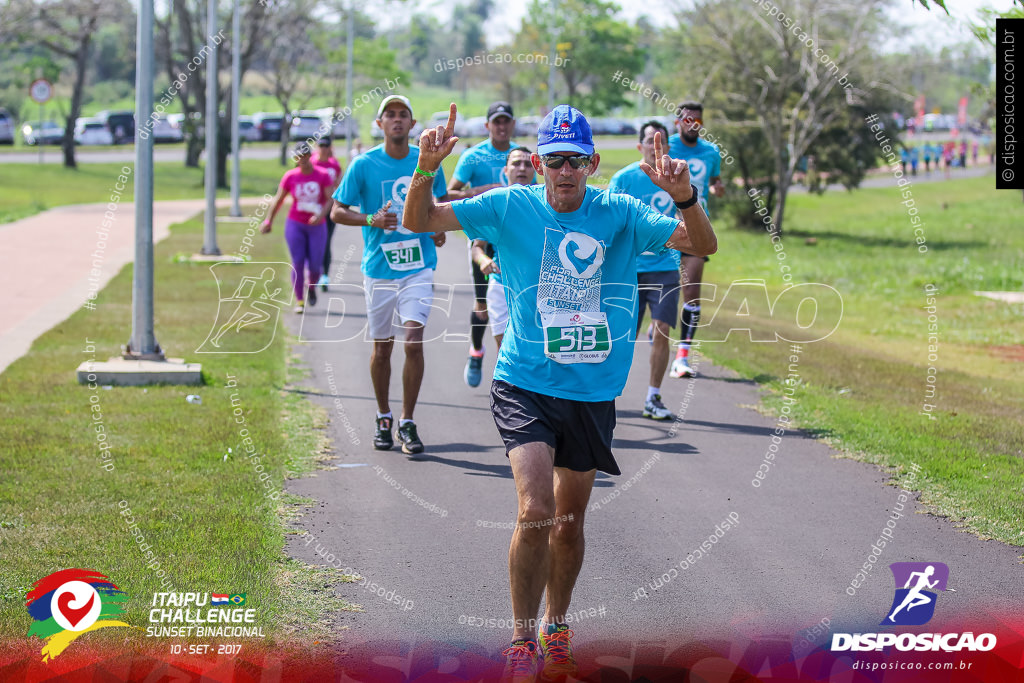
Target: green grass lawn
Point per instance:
(202, 510)
(31, 188)
(864, 388)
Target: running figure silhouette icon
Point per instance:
(914, 603)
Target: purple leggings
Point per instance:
(306, 244)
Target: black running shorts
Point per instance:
(579, 431)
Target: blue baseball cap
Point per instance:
(564, 129)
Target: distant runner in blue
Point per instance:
(657, 274)
(705, 170)
(398, 266)
(568, 261)
(479, 169)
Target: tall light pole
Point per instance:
(554, 55)
(143, 344)
(350, 30)
(210, 226)
(236, 84)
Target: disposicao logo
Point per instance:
(68, 603)
(913, 605)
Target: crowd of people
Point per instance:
(548, 254)
(945, 155)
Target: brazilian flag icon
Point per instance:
(237, 599)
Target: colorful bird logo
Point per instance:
(68, 603)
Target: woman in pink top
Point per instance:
(305, 230)
(326, 163)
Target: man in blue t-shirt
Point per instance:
(479, 169)
(568, 261)
(398, 266)
(705, 171)
(657, 274)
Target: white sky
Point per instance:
(930, 27)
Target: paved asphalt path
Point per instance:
(801, 538)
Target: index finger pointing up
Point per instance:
(449, 129)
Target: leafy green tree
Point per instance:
(422, 45)
(373, 61)
(594, 44)
(181, 38)
(66, 29)
(780, 90)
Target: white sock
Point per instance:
(652, 391)
(387, 414)
(402, 423)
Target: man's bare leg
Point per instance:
(412, 373)
(380, 372)
(659, 353)
(533, 467)
(565, 542)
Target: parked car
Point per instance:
(344, 128)
(247, 130)
(307, 125)
(178, 121)
(476, 127)
(610, 125)
(268, 124)
(6, 127)
(91, 131)
(440, 118)
(166, 130)
(527, 126)
(121, 125)
(668, 121)
(42, 133)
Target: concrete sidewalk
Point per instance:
(55, 259)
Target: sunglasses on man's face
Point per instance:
(691, 120)
(556, 162)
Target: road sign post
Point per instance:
(41, 90)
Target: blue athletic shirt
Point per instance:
(570, 281)
(373, 179)
(704, 161)
(634, 182)
(483, 164)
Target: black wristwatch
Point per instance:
(689, 202)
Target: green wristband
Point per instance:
(422, 172)
(369, 219)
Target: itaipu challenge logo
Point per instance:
(72, 602)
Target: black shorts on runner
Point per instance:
(579, 431)
(659, 290)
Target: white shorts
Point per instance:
(409, 296)
(497, 307)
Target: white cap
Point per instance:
(393, 98)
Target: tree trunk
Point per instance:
(785, 180)
(286, 127)
(193, 150)
(81, 64)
